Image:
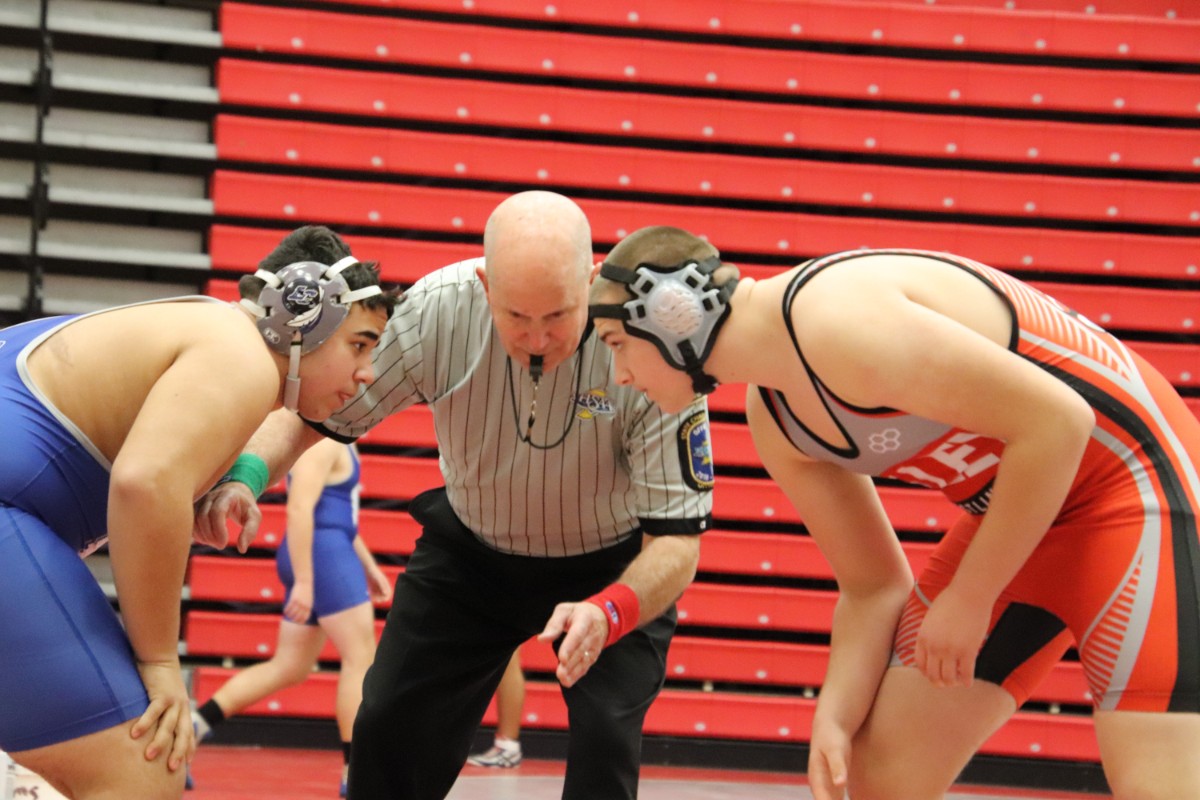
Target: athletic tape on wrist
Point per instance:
(250, 470)
(621, 606)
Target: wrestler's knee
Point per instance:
(874, 775)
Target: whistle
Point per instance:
(535, 368)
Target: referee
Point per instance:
(572, 511)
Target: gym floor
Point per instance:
(227, 772)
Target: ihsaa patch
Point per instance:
(695, 452)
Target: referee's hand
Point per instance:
(584, 629)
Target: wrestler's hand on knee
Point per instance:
(234, 501)
(828, 763)
(168, 718)
(584, 629)
(949, 639)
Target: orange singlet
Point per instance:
(1119, 571)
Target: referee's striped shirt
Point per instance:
(622, 464)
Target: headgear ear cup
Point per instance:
(672, 307)
(677, 308)
(299, 307)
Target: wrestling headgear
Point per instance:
(677, 308)
(300, 307)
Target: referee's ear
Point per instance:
(481, 273)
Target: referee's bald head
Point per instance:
(537, 231)
(537, 249)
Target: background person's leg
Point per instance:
(296, 650)
(505, 751)
(353, 634)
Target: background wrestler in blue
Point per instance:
(114, 423)
(331, 579)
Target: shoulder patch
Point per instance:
(695, 452)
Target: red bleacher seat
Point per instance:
(704, 174)
(239, 249)
(242, 580)
(688, 712)
(794, 72)
(699, 119)
(382, 530)
(1161, 9)
(465, 211)
(691, 658)
(867, 23)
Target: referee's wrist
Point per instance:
(621, 608)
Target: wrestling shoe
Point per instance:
(497, 756)
(345, 775)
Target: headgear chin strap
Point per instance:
(677, 308)
(299, 308)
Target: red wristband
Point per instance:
(620, 604)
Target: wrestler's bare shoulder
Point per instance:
(155, 331)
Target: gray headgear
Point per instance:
(300, 307)
(677, 308)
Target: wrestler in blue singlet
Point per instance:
(339, 582)
(66, 666)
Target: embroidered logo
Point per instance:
(695, 452)
(614, 616)
(593, 403)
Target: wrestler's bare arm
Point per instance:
(188, 429)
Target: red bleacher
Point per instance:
(701, 120)
(691, 658)
(398, 40)
(1160, 9)
(942, 191)
(894, 24)
(457, 211)
(684, 712)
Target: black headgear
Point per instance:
(676, 307)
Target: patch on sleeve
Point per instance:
(695, 452)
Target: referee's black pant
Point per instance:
(459, 611)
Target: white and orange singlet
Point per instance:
(1118, 573)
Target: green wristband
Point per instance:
(250, 470)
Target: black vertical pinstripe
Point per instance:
(441, 347)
